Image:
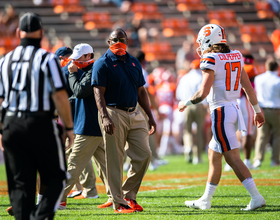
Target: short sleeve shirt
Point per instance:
(121, 79)
(227, 68)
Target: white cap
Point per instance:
(81, 49)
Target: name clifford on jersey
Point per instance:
(230, 56)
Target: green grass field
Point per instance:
(164, 191)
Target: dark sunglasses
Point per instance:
(122, 40)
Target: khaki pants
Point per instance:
(270, 128)
(194, 113)
(152, 140)
(87, 177)
(130, 127)
(83, 149)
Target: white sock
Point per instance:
(164, 141)
(246, 161)
(209, 191)
(250, 185)
(39, 198)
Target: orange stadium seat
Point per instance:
(7, 44)
(173, 27)
(225, 18)
(253, 33)
(275, 39)
(158, 51)
(264, 9)
(65, 2)
(147, 11)
(99, 20)
(70, 6)
(9, 41)
(234, 1)
(177, 23)
(191, 5)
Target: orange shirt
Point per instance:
(251, 70)
(275, 39)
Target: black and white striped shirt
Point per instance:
(28, 77)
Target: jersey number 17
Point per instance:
(231, 67)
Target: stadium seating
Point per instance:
(253, 33)
(234, 1)
(173, 27)
(158, 51)
(146, 11)
(191, 5)
(264, 9)
(65, 2)
(7, 44)
(225, 18)
(98, 20)
(68, 8)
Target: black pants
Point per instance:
(31, 144)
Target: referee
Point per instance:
(31, 87)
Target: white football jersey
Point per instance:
(227, 68)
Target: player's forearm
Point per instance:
(207, 82)
(248, 89)
(197, 97)
(251, 96)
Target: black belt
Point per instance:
(127, 109)
(20, 114)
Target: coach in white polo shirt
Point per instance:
(267, 86)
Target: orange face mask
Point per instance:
(64, 62)
(118, 49)
(83, 64)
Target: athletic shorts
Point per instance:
(224, 137)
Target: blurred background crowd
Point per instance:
(165, 31)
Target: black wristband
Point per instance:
(68, 129)
(1, 131)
